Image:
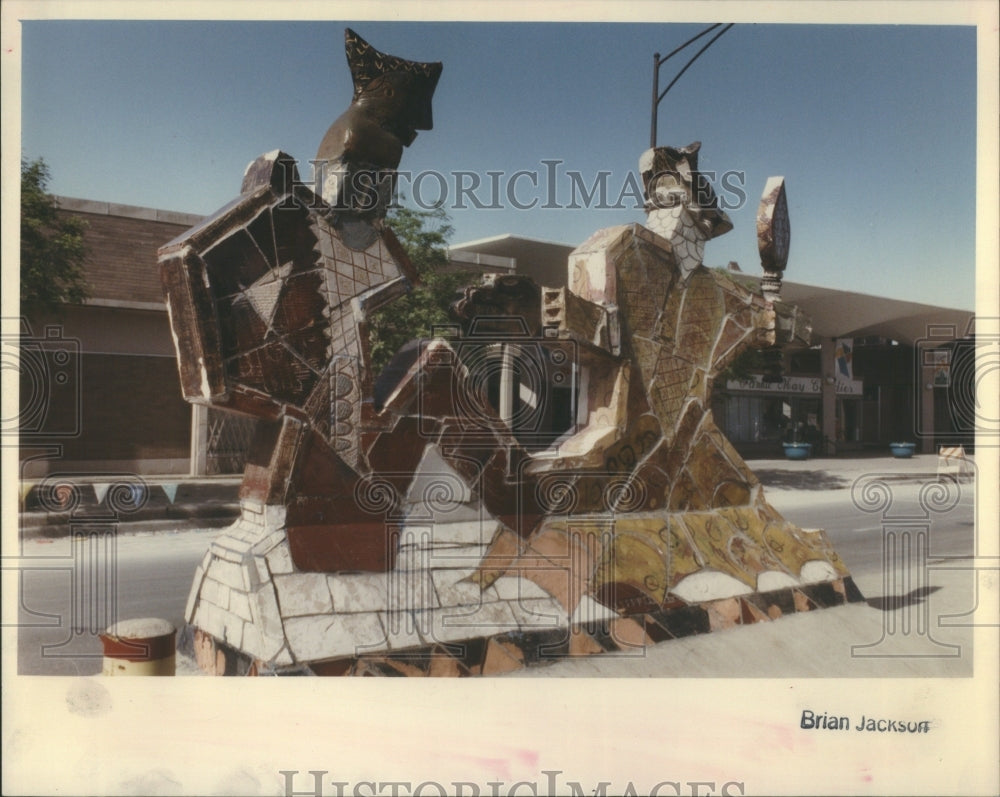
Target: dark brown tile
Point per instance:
(684, 621)
(301, 303)
(853, 593)
(823, 595)
(234, 260)
(400, 451)
(336, 667)
(294, 238)
(319, 472)
(333, 547)
(270, 460)
(542, 646)
(262, 232)
(470, 653)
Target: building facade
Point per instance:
(98, 382)
(100, 393)
(879, 370)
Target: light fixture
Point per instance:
(830, 380)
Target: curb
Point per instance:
(213, 504)
(851, 478)
(61, 504)
(33, 528)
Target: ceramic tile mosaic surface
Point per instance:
(547, 483)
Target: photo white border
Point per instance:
(208, 736)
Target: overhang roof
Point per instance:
(834, 313)
(844, 314)
(545, 261)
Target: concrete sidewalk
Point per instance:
(172, 502)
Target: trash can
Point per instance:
(144, 646)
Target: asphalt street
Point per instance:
(70, 591)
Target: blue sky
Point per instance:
(873, 127)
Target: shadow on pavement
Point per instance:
(801, 479)
(890, 603)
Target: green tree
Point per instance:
(424, 235)
(53, 253)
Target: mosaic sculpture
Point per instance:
(548, 483)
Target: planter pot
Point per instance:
(798, 450)
(902, 450)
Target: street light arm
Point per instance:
(658, 62)
(692, 40)
(695, 58)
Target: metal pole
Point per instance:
(656, 99)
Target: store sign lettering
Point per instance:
(803, 385)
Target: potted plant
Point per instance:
(902, 450)
(797, 448)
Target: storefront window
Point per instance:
(754, 419)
